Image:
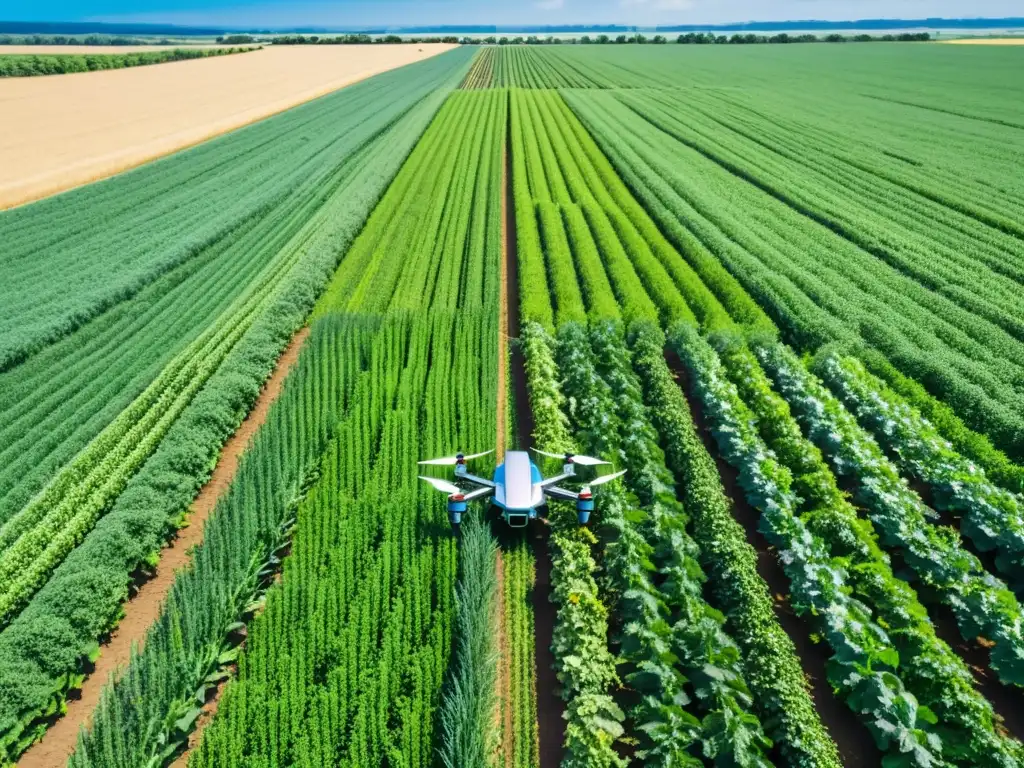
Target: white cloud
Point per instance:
(549, 5)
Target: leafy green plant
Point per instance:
(928, 665)
(773, 672)
(981, 603)
(864, 667)
(991, 517)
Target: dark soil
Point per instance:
(550, 707)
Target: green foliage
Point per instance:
(45, 648)
(31, 64)
(929, 667)
(678, 658)
(534, 297)
(551, 427)
(481, 74)
(445, 207)
(186, 650)
(222, 197)
(865, 665)
(564, 286)
(924, 263)
(773, 672)
(467, 711)
(991, 517)
(520, 582)
(981, 603)
(585, 666)
(971, 444)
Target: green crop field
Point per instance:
(778, 285)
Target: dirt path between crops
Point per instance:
(503, 715)
(142, 610)
(550, 707)
(855, 743)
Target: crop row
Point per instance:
(603, 239)
(954, 698)
(30, 65)
(856, 298)
(935, 244)
(444, 210)
(71, 257)
(981, 603)
(584, 664)
(806, 516)
(467, 713)
(60, 399)
(186, 650)
(523, 67)
(366, 595)
(681, 664)
(445, 400)
(82, 598)
(481, 74)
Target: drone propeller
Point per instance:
(606, 478)
(449, 461)
(442, 485)
(572, 458)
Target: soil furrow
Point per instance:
(144, 608)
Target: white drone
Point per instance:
(518, 487)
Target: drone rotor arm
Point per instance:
(479, 493)
(606, 478)
(572, 458)
(483, 482)
(442, 485)
(560, 493)
(588, 461)
(556, 479)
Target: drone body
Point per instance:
(518, 488)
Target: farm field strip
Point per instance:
(72, 131)
(215, 193)
(767, 247)
(98, 571)
(798, 336)
(629, 289)
(481, 75)
(969, 724)
(647, 524)
(906, 653)
(903, 229)
(133, 341)
(456, 271)
(370, 553)
(36, 64)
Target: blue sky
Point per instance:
(434, 12)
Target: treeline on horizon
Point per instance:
(32, 65)
(87, 40)
(692, 38)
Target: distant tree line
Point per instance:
(364, 40)
(85, 40)
(236, 39)
(696, 38)
(687, 39)
(31, 64)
